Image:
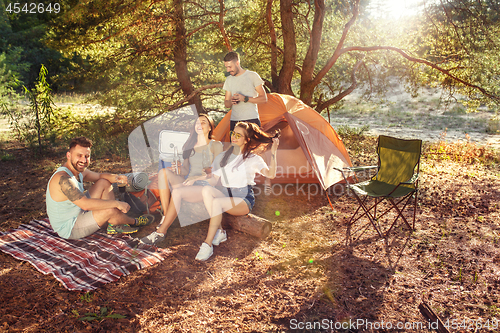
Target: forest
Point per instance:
(145, 58)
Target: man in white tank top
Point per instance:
(74, 213)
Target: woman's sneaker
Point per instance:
(220, 236)
(153, 238)
(120, 229)
(205, 252)
(161, 222)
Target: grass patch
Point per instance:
(4, 156)
(70, 98)
(456, 109)
(493, 126)
(345, 131)
(106, 127)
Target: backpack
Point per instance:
(145, 201)
(142, 202)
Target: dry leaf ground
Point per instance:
(303, 278)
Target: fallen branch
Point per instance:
(432, 317)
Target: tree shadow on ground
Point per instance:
(357, 274)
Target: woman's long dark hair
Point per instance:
(258, 141)
(188, 148)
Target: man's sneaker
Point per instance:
(120, 229)
(220, 236)
(144, 220)
(153, 238)
(205, 252)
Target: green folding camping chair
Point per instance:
(396, 181)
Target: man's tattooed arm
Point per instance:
(69, 189)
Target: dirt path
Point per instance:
(455, 135)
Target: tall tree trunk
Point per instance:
(307, 84)
(274, 47)
(289, 49)
(222, 11)
(180, 56)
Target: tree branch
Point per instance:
(315, 42)
(420, 61)
(338, 51)
(221, 25)
(192, 94)
(354, 83)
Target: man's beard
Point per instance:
(236, 72)
(79, 168)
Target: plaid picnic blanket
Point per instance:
(83, 264)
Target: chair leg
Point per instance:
(367, 213)
(400, 212)
(415, 209)
(350, 223)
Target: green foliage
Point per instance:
(38, 122)
(4, 156)
(25, 33)
(87, 297)
(133, 67)
(9, 81)
(103, 314)
(345, 131)
(466, 41)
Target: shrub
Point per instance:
(347, 132)
(493, 126)
(465, 152)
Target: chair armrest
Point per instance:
(412, 180)
(362, 168)
(354, 169)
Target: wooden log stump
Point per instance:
(253, 225)
(250, 224)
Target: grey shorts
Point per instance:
(85, 224)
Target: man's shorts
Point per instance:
(85, 224)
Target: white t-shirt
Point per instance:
(244, 84)
(237, 173)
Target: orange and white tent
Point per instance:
(309, 147)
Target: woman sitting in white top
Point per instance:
(236, 168)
